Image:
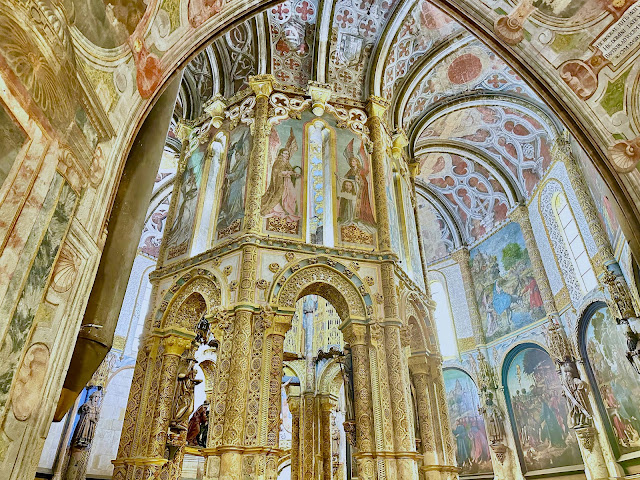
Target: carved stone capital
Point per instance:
(262, 85)
(586, 437)
(320, 94)
(175, 344)
(355, 334)
(377, 106)
(400, 141)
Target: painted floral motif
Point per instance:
(519, 140)
(424, 26)
(506, 291)
(473, 193)
(357, 26)
(292, 26)
(540, 413)
(467, 425)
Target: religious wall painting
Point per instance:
(12, 138)
(435, 233)
(576, 11)
(355, 215)
(233, 188)
(539, 413)
(282, 204)
(153, 229)
(506, 290)
(617, 382)
(392, 207)
(106, 24)
(414, 262)
(467, 425)
(181, 232)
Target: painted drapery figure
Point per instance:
(282, 198)
(233, 187)
(355, 197)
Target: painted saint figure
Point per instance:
(281, 198)
(356, 183)
(233, 188)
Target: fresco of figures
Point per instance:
(12, 137)
(618, 383)
(282, 204)
(539, 412)
(180, 233)
(467, 425)
(355, 216)
(506, 291)
(233, 188)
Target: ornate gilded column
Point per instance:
(376, 108)
(326, 407)
(275, 347)
(521, 215)
(355, 335)
(462, 258)
(262, 86)
(421, 380)
(294, 408)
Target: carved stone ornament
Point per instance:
(586, 437)
(500, 451)
(274, 267)
(289, 256)
(350, 432)
(625, 155)
(227, 270)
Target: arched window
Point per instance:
(574, 243)
(444, 320)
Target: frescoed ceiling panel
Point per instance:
(471, 67)
(420, 31)
(356, 27)
(292, 29)
(516, 139)
(469, 190)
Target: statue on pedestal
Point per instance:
(88, 415)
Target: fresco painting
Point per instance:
(506, 291)
(12, 138)
(355, 216)
(281, 204)
(569, 9)
(540, 412)
(394, 224)
(106, 24)
(233, 189)
(179, 236)
(467, 425)
(617, 382)
(411, 232)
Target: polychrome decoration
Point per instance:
(539, 412)
(232, 197)
(467, 425)
(506, 291)
(616, 380)
(181, 231)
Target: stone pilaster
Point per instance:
(262, 86)
(326, 408)
(521, 215)
(421, 380)
(441, 422)
(355, 335)
(461, 257)
(294, 408)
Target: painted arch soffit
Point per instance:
(439, 231)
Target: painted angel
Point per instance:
(356, 181)
(281, 198)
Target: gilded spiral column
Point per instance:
(294, 408)
(521, 215)
(355, 335)
(262, 86)
(462, 258)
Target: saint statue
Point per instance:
(183, 398)
(346, 362)
(88, 415)
(199, 426)
(574, 389)
(493, 419)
